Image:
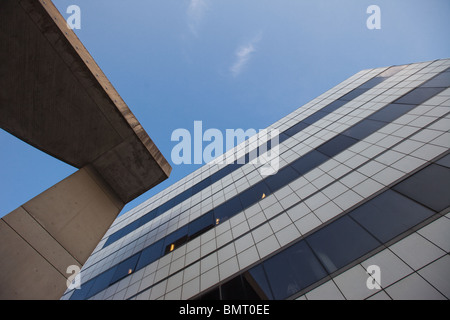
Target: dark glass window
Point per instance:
(333, 106)
(253, 194)
(430, 186)
(233, 290)
(353, 94)
(390, 214)
(391, 112)
(125, 268)
(314, 117)
(336, 145)
(82, 293)
(309, 161)
(340, 243)
(419, 95)
(175, 239)
(211, 295)
(227, 209)
(256, 277)
(445, 161)
(101, 282)
(281, 178)
(201, 225)
(364, 129)
(372, 83)
(296, 128)
(150, 254)
(440, 81)
(293, 270)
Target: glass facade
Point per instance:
(362, 167)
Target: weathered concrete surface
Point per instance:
(55, 97)
(58, 228)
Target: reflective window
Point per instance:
(255, 193)
(150, 254)
(419, 95)
(333, 106)
(201, 225)
(364, 129)
(101, 282)
(336, 145)
(293, 270)
(445, 161)
(309, 161)
(296, 128)
(281, 178)
(440, 81)
(391, 112)
(353, 94)
(372, 83)
(175, 239)
(227, 209)
(233, 290)
(124, 268)
(430, 186)
(256, 277)
(314, 117)
(340, 243)
(390, 214)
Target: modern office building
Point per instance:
(359, 208)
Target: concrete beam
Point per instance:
(58, 228)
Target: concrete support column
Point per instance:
(58, 228)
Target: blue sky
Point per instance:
(228, 63)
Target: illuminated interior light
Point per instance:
(172, 246)
(130, 271)
(263, 196)
(217, 221)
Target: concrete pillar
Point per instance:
(58, 228)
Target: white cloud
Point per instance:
(195, 13)
(243, 55)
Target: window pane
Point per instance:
(309, 161)
(336, 145)
(440, 81)
(101, 282)
(419, 95)
(333, 106)
(201, 225)
(175, 239)
(254, 194)
(364, 129)
(372, 83)
(445, 161)
(430, 186)
(390, 214)
(211, 295)
(150, 254)
(256, 278)
(296, 128)
(227, 209)
(293, 270)
(233, 290)
(353, 94)
(391, 112)
(281, 178)
(340, 243)
(125, 268)
(314, 117)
